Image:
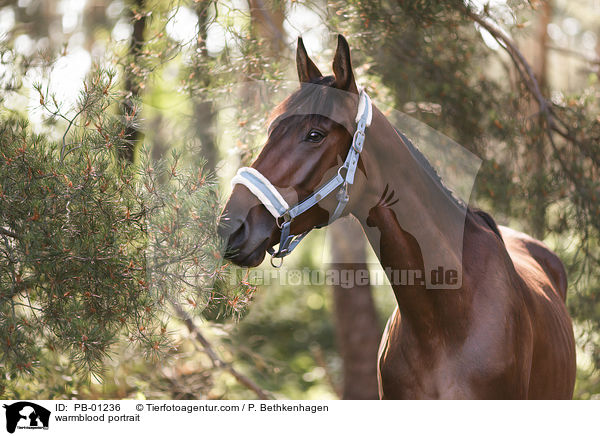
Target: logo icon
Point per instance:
(26, 415)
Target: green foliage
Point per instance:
(66, 261)
(91, 249)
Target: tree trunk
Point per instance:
(132, 85)
(267, 26)
(357, 328)
(204, 114)
(535, 49)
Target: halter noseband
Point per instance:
(268, 195)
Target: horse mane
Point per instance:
(489, 221)
(430, 170)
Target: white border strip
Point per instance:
(257, 191)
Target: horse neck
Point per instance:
(422, 229)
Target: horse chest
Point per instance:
(407, 370)
(419, 375)
(480, 366)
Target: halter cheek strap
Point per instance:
(268, 195)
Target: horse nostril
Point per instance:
(227, 226)
(233, 232)
(223, 229)
(238, 236)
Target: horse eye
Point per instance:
(314, 136)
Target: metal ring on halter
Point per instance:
(280, 261)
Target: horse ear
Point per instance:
(342, 67)
(307, 70)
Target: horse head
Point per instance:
(309, 137)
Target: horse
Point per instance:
(497, 328)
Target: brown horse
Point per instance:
(502, 331)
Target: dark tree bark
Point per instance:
(204, 114)
(132, 84)
(357, 328)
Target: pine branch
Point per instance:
(523, 67)
(320, 359)
(552, 122)
(214, 357)
(7, 232)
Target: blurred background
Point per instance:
(515, 83)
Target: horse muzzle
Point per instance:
(247, 228)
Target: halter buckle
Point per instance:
(358, 140)
(342, 195)
(286, 218)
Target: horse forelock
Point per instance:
(312, 99)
